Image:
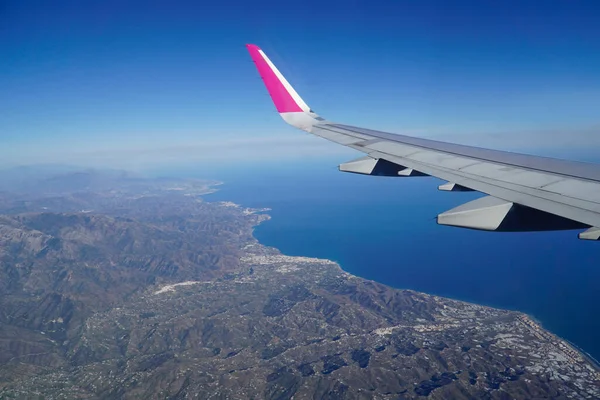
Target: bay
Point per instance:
(384, 229)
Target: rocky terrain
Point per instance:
(114, 287)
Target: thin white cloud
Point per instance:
(151, 154)
(140, 154)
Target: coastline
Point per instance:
(595, 363)
(241, 319)
(580, 351)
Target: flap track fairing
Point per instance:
(494, 214)
(377, 167)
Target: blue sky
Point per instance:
(148, 82)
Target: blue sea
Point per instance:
(384, 229)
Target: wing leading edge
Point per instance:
(525, 192)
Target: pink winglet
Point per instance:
(283, 100)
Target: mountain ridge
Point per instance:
(159, 294)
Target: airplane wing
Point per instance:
(525, 192)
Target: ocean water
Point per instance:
(384, 229)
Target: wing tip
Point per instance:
(283, 95)
(254, 51)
